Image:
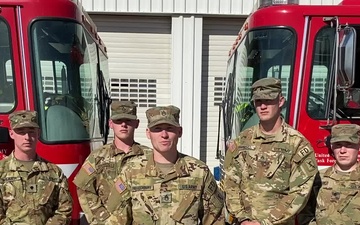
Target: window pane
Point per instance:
(7, 84)
(65, 61)
(263, 53)
(320, 84)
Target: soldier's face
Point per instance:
(164, 137)
(124, 128)
(269, 110)
(346, 154)
(25, 139)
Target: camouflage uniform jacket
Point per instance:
(269, 178)
(39, 196)
(97, 176)
(186, 195)
(338, 201)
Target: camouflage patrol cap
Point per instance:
(164, 114)
(23, 118)
(266, 88)
(345, 132)
(123, 110)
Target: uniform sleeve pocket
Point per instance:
(118, 200)
(184, 206)
(47, 193)
(146, 205)
(83, 178)
(345, 202)
(9, 192)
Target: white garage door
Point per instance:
(218, 36)
(139, 50)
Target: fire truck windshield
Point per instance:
(262, 53)
(65, 67)
(7, 89)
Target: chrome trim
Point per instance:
(23, 63)
(301, 72)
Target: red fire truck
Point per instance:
(315, 51)
(52, 60)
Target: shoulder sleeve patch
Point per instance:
(232, 146)
(88, 168)
(310, 166)
(120, 186)
(302, 153)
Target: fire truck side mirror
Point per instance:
(347, 50)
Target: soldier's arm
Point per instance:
(303, 171)
(91, 204)
(307, 215)
(2, 211)
(3, 219)
(119, 202)
(325, 203)
(62, 215)
(212, 202)
(232, 180)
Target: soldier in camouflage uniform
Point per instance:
(32, 190)
(165, 187)
(270, 169)
(103, 165)
(338, 201)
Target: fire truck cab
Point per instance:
(52, 60)
(315, 51)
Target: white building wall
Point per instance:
(186, 79)
(215, 7)
(186, 46)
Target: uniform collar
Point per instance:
(279, 136)
(134, 150)
(180, 168)
(353, 176)
(16, 165)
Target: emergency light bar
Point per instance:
(264, 3)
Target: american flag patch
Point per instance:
(120, 186)
(88, 168)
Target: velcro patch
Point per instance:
(88, 168)
(120, 186)
(304, 152)
(310, 165)
(232, 146)
(246, 147)
(187, 187)
(166, 197)
(301, 154)
(211, 188)
(142, 188)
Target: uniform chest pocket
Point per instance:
(247, 159)
(144, 207)
(187, 210)
(347, 200)
(275, 165)
(11, 189)
(47, 191)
